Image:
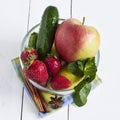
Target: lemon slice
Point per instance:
(75, 80)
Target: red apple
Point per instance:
(74, 41)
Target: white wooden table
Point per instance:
(17, 17)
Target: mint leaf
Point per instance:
(80, 85)
(81, 93)
(85, 68)
(82, 90)
(74, 69)
(81, 64)
(90, 69)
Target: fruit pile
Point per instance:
(62, 55)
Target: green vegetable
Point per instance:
(76, 68)
(90, 69)
(33, 40)
(47, 30)
(81, 93)
(86, 69)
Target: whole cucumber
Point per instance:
(47, 30)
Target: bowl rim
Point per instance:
(58, 92)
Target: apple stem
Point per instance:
(83, 21)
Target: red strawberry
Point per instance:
(28, 56)
(37, 72)
(60, 82)
(53, 65)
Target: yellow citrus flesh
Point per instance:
(47, 96)
(73, 78)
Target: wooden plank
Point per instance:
(13, 24)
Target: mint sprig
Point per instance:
(87, 70)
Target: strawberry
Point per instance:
(53, 65)
(60, 82)
(28, 56)
(37, 72)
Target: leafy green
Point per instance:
(33, 40)
(74, 68)
(80, 96)
(81, 64)
(90, 69)
(86, 69)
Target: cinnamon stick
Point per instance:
(44, 103)
(35, 95)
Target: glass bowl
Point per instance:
(24, 44)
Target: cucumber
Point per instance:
(46, 32)
(33, 40)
